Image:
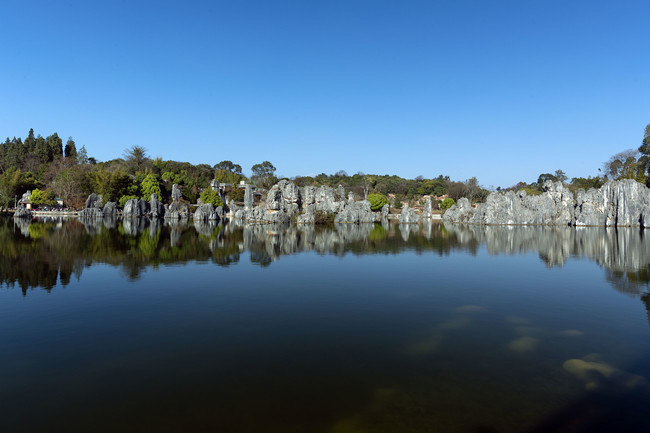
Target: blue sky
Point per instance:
(500, 90)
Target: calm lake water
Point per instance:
(130, 326)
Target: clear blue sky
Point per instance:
(500, 90)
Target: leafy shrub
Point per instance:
(447, 203)
(41, 198)
(377, 201)
(126, 198)
(150, 185)
(321, 217)
(211, 196)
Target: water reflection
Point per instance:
(49, 248)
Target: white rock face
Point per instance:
(624, 203)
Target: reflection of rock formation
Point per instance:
(134, 226)
(92, 225)
(23, 225)
(624, 253)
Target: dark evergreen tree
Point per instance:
(55, 145)
(70, 148)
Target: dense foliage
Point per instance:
(377, 201)
(212, 197)
(66, 171)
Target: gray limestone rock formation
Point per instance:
(553, 207)
(156, 208)
(94, 201)
(21, 212)
(248, 197)
(427, 212)
(93, 207)
(135, 208)
(206, 212)
(384, 212)
(110, 209)
(409, 216)
(618, 203)
(177, 210)
(621, 203)
(357, 212)
(176, 193)
(340, 193)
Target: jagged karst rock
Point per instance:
(135, 208)
(384, 211)
(357, 212)
(340, 193)
(206, 212)
(617, 203)
(176, 193)
(156, 208)
(409, 216)
(110, 209)
(624, 203)
(93, 207)
(248, 197)
(94, 201)
(177, 211)
(427, 212)
(21, 212)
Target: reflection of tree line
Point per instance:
(34, 254)
(37, 254)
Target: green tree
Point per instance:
(70, 149)
(377, 201)
(644, 149)
(560, 176)
(135, 159)
(263, 174)
(126, 198)
(42, 198)
(544, 177)
(55, 146)
(150, 185)
(228, 166)
(622, 165)
(447, 203)
(211, 196)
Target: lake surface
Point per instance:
(130, 326)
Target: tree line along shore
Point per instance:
(52, 169)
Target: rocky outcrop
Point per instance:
(248, 197)
(176, 193)
(110, 209)
(409, 216)
(427, 212)
(156, 208)
(94, 201)
(357, 212)
(178, 210)
(206, 212)
(93, 207)
(623, 203)
(285, 202)
(384, 212)
(21, 212)
(135, 208)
